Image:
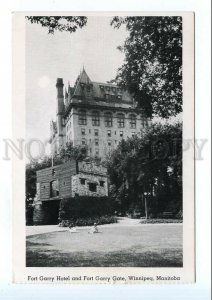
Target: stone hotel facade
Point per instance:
(95, 115)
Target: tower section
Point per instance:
(60, 112)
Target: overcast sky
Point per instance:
(63, 55)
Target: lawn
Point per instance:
(115, 246)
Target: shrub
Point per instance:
(85, 207)
(89, 221)
(160, 221)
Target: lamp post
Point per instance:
(145, 201)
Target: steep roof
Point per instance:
(85, 88)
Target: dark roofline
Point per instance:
(95, 106)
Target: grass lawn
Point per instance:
(115, 246)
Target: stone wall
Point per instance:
(81, 185)
(91, 168)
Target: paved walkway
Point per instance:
(122, 221)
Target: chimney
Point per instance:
(59, 86)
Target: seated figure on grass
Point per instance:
(94, 229)
(72, 228)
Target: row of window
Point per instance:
(111, 88)
(108, 119)
(96, 141)
(96, 132)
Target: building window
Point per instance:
(82, 117)
(96, 142)
(96, 132)
(54, 188)
(109, 143)
(121, 134)
(133, 134)
(83, 131)
(109, 133)
(132, 121)
(82, 181)
(144, 123)
(120, 118)
(101, 183)
(92, 187)
(97, 152)
(95, 118)
(108, 119)
(83, 142)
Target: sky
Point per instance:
(63, 55)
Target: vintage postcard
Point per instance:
(103, 152)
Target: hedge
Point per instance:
(89, 221)
(85, 207)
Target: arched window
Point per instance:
(120, 118)
(82, 117)
(95, 118)
(132, 119)
(54, 188)
(108, 119)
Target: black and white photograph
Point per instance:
(106, 93)
(108, 169)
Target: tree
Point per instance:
(149, 166)
(69, 24)
(152, 70)
(72, 152)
